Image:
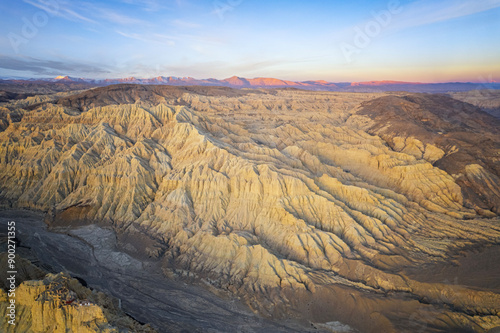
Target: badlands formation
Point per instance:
(321, 206)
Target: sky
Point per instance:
(336, 41)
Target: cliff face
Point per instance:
(303, 204)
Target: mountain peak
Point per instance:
(237, 81)
(61, 77)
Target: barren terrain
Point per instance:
(312, 205)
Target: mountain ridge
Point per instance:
(268, 82)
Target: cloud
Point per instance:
(420, 13)
(110, 15)
(163, 36)
(414, 14)
(49, 67)
(185, 24)
(118, 18)
(222, 69)
(147, 5)
(155, 38)
(83, 11)
(424, 12)
(57, 8)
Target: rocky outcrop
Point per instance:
(59, 303)
(303, 204)
(53, 305)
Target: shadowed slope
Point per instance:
(129, 94)
(468, 137)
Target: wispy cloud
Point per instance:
(106, 14)
(185, 24)
(222, 69)
(418, 13)
(60, 9)
(49, 67)
(155, 38)
(83, 11)
(148, 5)
(171, 39)
(119, 18)
(424, 12)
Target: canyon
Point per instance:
(316, 206)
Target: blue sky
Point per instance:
(422, 40)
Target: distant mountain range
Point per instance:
(260, 82)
